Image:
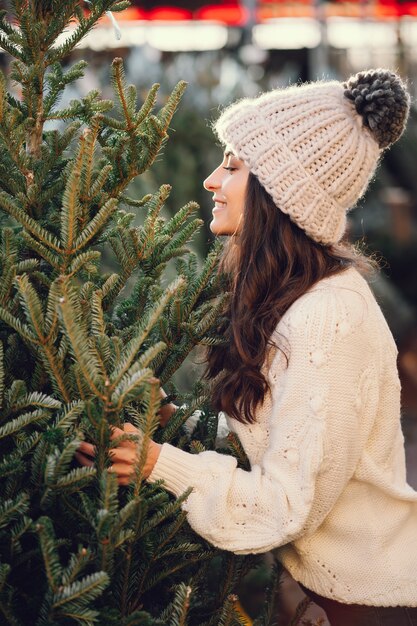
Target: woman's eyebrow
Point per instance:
(229, 154)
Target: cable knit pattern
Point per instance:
(309, 147)
(327, 487)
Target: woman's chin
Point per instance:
(219, 229)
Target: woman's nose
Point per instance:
(212, 181)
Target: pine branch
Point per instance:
(68, 417)
(54, 367)
(35, 398)
(58, 80)
(20, 328)
(148, 425)
(51, 258)
(71, 210)
(85, 25)
(184, 236)
(147, 105)
(13, 509)
(20, 528)
(99, 221)
(95, 188)
(9, 273)
(75, 480)
(32, 306)
(120, 88)
(143, 331)
(6, 608)
(1, 375)
(17, 390)
(181, 415)
(47, 541)
(76, 595)
(229, 615)
(5, 26)
(206, 275)
(98, 324)
(106, 515)
(237, 450)
(13, 50)
(85, 261)
(166, 113)
(19, 423)
(74, 323)
(174, 568)
(3, 93)
(78, 562)
(180, 605)
(48, 240)
(130, 388)
(167, 511)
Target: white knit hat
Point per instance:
(315, 147)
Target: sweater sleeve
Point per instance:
(317, 396)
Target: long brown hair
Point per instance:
(269, 264)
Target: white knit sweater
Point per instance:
(327, 487)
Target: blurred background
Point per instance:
(228, 50)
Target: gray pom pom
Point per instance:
(381, 98)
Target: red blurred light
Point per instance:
(299, 9)
(408, 8)
(391, 8)
(230, 14)
(169, 14)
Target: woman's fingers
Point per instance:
(129, 428)
(124, 480)
(124, 472)
(116, 432)
(120, 466)
(123, 455)
(84, 460)
(87, 448)
(121, 469)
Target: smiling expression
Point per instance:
(228, 184)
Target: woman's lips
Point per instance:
(219, 206)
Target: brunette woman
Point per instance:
(307, 377)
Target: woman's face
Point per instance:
(228, 185)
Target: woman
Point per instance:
(308, 374)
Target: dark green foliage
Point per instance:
(77, 356)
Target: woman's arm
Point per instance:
(317, 416)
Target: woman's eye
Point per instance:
(230, 169)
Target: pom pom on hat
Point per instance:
(307, 149)
(380, 97)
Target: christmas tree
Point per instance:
(79, 356)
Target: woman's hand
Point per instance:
(124, 457)
(166, 411)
